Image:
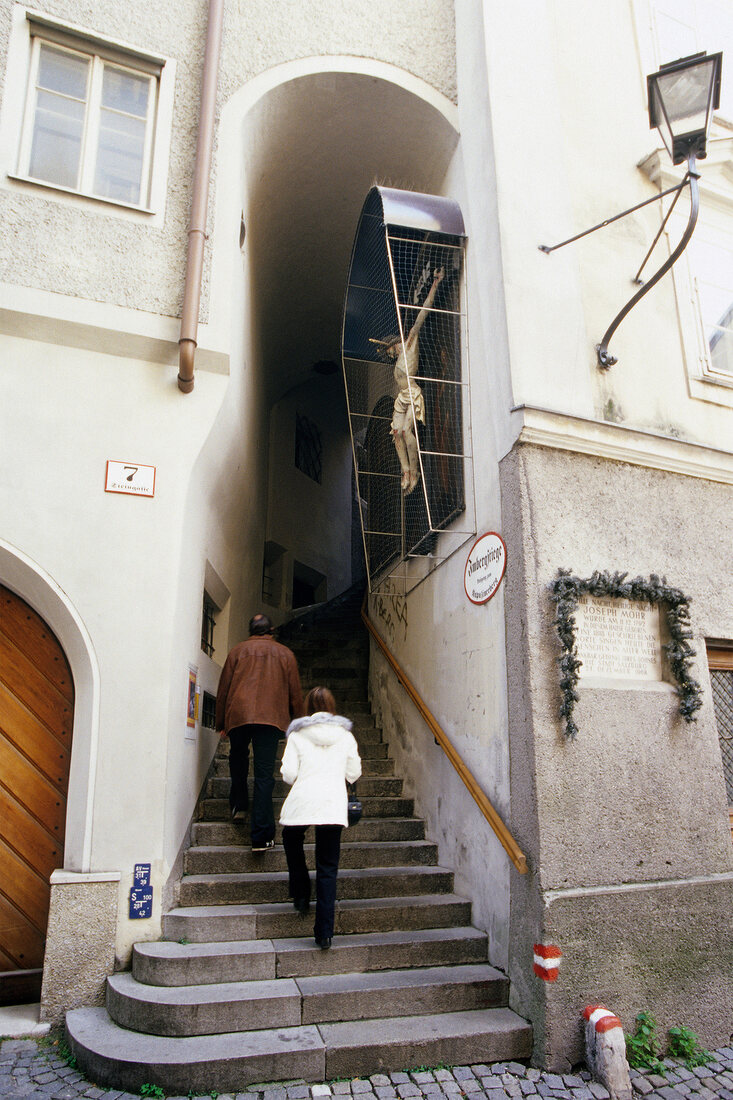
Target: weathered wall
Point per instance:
(128, 262)
(626, 828)
(81, 933)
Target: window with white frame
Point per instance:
(90, 117)
(711, 262)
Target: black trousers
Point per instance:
(328, 850)
(264, 741)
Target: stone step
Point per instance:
(202, 1009)
(363, 727)
(363, 1047)
(288, 1002)
(353, 703)
(336, 674)
(352, 656)
(171, 964)
(114, 1057)
(369, 787)
(230, 833)
(363, 720)
(372, 752)
(402, 949)
(272, 886)
(420, 991)
(217, 809)
(225, 923)
(237, 859)
(174, 964)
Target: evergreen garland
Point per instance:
(567, 590)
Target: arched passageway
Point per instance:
(313, 145)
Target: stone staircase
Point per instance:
(237, 992)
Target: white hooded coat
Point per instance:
(321, 756)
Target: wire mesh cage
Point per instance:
(403, 353)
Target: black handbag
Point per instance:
(354, 810)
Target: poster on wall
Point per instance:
(485, 567)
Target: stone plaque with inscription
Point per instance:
(619, 639)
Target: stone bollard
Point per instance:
(605, 1051)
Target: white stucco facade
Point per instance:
(537, 128)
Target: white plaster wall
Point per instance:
(90, 375)
(67, 412)
(568, 111)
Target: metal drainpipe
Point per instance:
(200, 198)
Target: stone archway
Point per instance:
(314, 134)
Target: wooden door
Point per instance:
(36, 717)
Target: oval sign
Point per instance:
(485, 567)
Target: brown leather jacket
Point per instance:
(259, 684)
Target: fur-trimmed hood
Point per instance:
(322, 728)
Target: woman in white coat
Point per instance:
(321, 756)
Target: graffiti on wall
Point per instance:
(390, 607)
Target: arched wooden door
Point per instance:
(36, 717)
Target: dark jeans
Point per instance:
(328, 849)
(264, 741)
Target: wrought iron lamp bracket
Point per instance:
(605, 359)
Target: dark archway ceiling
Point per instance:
(313, 147)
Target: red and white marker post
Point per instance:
(605, 1051)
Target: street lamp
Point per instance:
(682, 98)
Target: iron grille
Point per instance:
(721, 681)
(208, 711)
(208, 622)
(402, 344)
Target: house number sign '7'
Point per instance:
(484, 567)
(130, 477)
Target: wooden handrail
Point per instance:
(505, 838)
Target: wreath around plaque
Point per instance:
(566, 591)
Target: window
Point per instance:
(90, 116)
(711, 260)
(208, 622)
(309, 586)
(704, 282)
(208, 711)
(273, 561)
(308, 447)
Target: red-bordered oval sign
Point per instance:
(485, 567)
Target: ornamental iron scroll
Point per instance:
(567, 590)
(406, 390)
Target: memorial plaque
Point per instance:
(619, 639)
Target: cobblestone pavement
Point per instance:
(37, 1068)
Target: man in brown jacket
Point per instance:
(259, 693)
